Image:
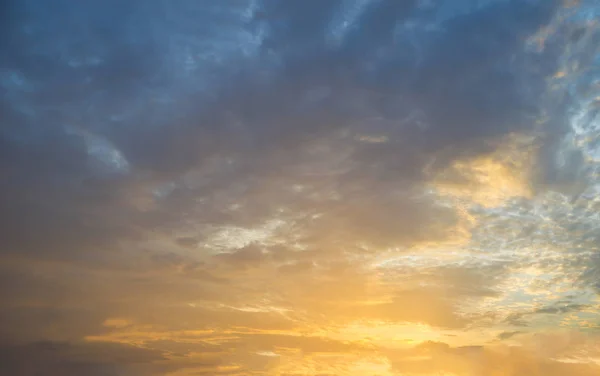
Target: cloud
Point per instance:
(434, 357)
(54, 358)
(313, 187)
(261, 148)
(507, 335)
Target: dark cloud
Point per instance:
(507, 335)
(517, 319)
(253, 124)
(591, 273)
(55, 358)
(558, 309)
(523, 318)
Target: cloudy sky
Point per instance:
(300, 187)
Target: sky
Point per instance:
(300, 187)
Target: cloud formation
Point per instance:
(264, 187)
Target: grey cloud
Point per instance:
(559, 309)
(517, 319)
(591, 276)
(55, 358)
(271, 121)
(22, 323)
(522, 319)
(507, 335)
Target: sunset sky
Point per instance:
(300, 187)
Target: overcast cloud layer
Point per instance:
(300, 187)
